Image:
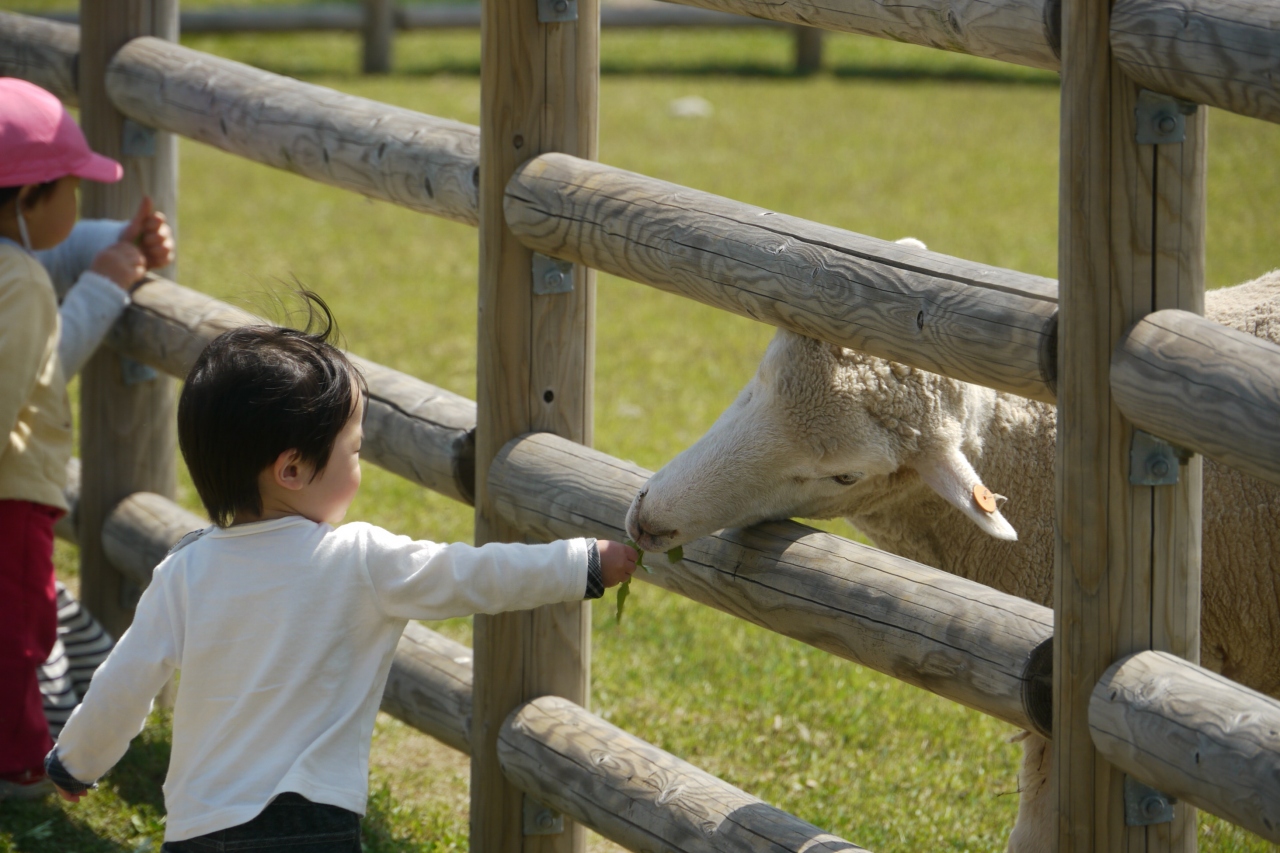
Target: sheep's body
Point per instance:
(919, 442)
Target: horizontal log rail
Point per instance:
(1223, 53)
(637, 795)
(1204, 386)
(314, 17)
(43, 52)
(1194, 735)
(973, 322)
(416, 430)
(427, 16)
(418, 161)
(1024, 32)
(953, 637)
(552, 748)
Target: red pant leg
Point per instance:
(28, 629)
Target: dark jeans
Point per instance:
(290, 823)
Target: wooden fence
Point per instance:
(1118, 344)
(378, 20)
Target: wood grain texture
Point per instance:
(948, 635)
(1024, 32)
(1193, 735)
(970, 321)
(1203, 386)
(429, 686)
(128, 436)
(1222, 53)
(417, 161)
(535, 367)
(140, 530)
(42, 52)
(416, 430)
(637, 795)
(1131, 241)
(428, 16)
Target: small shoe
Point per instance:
(27, 785)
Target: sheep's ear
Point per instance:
(951, 476)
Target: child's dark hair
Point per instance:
(254, 393)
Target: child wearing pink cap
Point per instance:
(44, 254)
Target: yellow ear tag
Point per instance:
(983, 497)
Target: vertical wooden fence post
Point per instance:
(379, 30)
(539, 83)
(1128, 555)
(808, 48)
(127, 430)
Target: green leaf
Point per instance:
(676, 554)
(624, 589)
(639, 555)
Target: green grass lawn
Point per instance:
(890, 141)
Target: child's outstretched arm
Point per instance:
(425, 580)
(119, 698)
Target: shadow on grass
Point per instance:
(43, 827)
(139, 776)
(48, 826)
(908, 73)
(733, 69)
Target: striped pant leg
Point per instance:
(83, 644)
(59, 696)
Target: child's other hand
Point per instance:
(67, 795)
(617, 561)
(121, 262)
(150, 232)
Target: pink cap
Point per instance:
(40, 141)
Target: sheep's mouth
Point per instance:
(659, 541)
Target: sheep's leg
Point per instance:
(1033, 833)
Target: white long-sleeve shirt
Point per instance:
(284, 631)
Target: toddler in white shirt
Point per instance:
(282, 622)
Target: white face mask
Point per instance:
(22, 227)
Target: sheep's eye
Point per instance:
(848, 479)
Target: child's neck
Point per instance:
(269, 513)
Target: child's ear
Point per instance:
(289, 471)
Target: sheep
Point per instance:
(824, 432)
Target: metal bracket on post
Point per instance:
(551, 275)
(137, 140)
(1154, 461)
(1145, 806)
(557, 11)
(1161, 119)
(134, 372)
(540, 819)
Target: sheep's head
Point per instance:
(816, 432)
